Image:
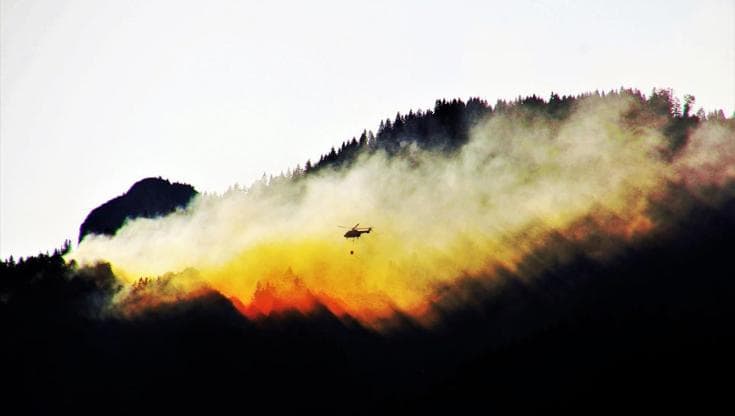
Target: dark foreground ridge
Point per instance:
(650, 329)
(148, 198)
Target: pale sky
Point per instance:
(95, 95)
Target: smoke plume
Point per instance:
(437, 218)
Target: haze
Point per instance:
(97, 95)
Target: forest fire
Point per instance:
(549, 253)
(521, 180)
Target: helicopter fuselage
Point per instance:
(356, 233)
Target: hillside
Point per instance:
(651, 325)
(533, 255)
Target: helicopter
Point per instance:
(356, 232)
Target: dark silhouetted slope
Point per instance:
(148, 198)
(648, 329)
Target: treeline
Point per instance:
(447, 126)
(45, 290)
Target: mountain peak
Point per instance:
(148, 198)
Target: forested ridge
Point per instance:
(647, 327)
(447, 126)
